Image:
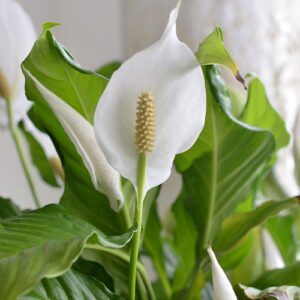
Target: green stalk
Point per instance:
(141, 178)
(16, 138)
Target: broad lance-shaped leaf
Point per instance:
(221, 168)
(234, 228)
(185, 239)
(154, 246)
(72, 94)
(73, 285)
(45, 243)
(290, 275)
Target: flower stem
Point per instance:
(141, 177)
(16, 138)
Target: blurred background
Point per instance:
(262, 36)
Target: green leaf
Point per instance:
(281, 230)
(39, 158)
(56, 69)
(260, 113)
(278, 293)
(73, 285)
(45, 243)
(108, 69)
(154, 245)
(230, 156)
(212, 51)
(289, 275)
(254, 263)
(234, 228)
(185, 238)
(8, 208)
(80, 195)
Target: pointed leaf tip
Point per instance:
(47, 26)
(179, 4)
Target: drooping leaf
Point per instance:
(44, 243)
(220, 169)
(73, 285)
(236, 227)
(8, 208)
(39, 158)
(259, 112)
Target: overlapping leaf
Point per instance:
(220, 169)
(73, 285)
(44, 243)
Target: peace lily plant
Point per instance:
(118, 131)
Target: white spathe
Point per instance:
(222, 287)
(17, 36)
(81, 133)
(169, 70)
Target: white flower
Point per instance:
(81, 133)
(17, 36)
(169, 82)
(222, 287)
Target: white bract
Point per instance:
(17, 36)
(168, 71)
(222, 287)
(81, 133)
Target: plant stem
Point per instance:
(16, 137)
(141, 177)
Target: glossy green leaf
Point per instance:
(56, 69)
(253, 264)
(73, 285)
(80, 195)
(230, 157)
(234, 228)
(260, 113)
(39, 158)
(8, 208)
(44, 243)
(185, 239)
(281, 229)
(289, 275)
(154, 246)
(213, 51)
(108, 69)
